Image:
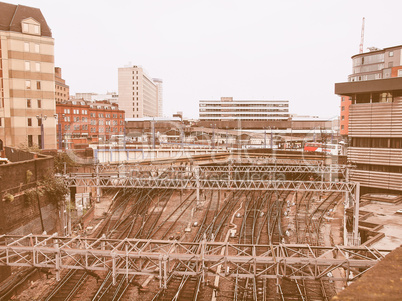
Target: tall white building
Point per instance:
(139, 94)
(159, 85)
(246, 110)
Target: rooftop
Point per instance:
(12, 15)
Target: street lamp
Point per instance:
(59, 134)
(41, 118)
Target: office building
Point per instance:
(247, 110)
(139, 94)
(27, 78)
(375, 118)
(247, 114)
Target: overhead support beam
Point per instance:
(144, 257)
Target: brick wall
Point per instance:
(19, 216)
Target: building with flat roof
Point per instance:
(139, 94)
(375, 118)
(27, 78)
(247, 110)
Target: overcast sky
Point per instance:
(205, 49)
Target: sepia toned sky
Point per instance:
(205, 49)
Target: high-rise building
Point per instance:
(375, 118)
(159, 86)
(139, 95)
(27, 84)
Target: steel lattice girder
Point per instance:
(106, 181)
(208, 170)
(150, 257)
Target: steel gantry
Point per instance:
(333, 178)
(126, 169)
(159, 257)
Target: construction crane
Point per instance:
(362, 38)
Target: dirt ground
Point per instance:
(384, 213)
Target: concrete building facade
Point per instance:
(27, 79)
(375, 118)
(139, 94)
(244, 110)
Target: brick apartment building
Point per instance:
(82, 122)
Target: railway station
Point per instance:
(274, 225)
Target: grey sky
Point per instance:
(293, 50)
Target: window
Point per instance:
(391, 53)
(25, 27)
(27, 66)
(390, 64)
(26, 46)
(0, 121)
(39, 103)
(343, 117)
(37, 67)
(38, 85)
(36, 29)
(343, 99)
(37, 48)
(40, 122)
(400, 73)
(342, 127)
(343, 108)
(30, 140)
(29, 121)
(29, 105)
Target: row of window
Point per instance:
(85, 127)
(38, 103)
(30, 122)
(376, 97)
(243, 115)
(30, 141)
(85, 112)
(382, 168)
(377, 142)
(241, 105)
(28, 84)
(93, 122)
(35, 64)
(242, 110)
(31, 47)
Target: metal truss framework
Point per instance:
(318, 168)
(159, 257)
(106, 181)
